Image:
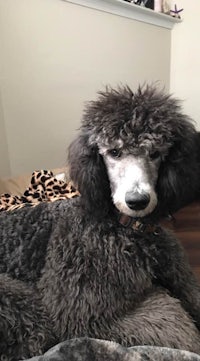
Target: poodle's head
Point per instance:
(134, 152)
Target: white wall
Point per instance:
(185, 59)
(4, 155)
(56, 55)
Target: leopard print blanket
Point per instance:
(43, 187)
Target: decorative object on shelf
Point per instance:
(146, 3)
(176, 12)
(166, 6)
(158, 6)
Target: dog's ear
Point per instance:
(179, 174)
(88, 172)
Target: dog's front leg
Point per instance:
(174, 273)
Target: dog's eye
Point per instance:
(115, 153)
(154, 155)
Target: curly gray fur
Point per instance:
(70, 269)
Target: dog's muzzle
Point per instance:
(137, 201)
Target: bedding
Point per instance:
(86, 349)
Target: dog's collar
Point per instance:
(137, 225)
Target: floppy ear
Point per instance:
(179, 174)
(88, 172)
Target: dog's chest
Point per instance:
(107, 269)
(95, 275)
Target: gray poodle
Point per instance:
(99, 266)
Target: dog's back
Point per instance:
(24, 238)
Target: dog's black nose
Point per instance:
(137, 201)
